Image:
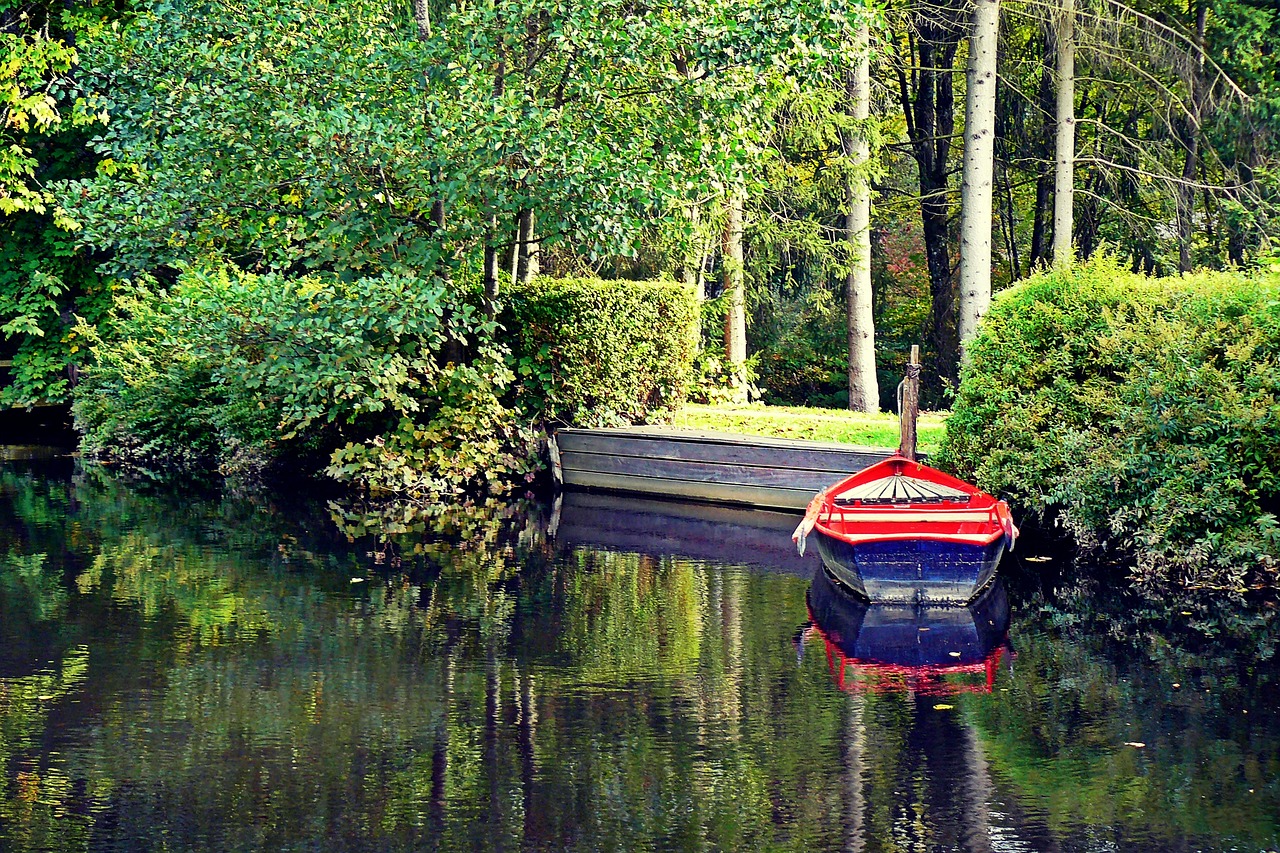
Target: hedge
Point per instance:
(1140, 413)
(591, 352)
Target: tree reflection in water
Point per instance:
(185, 673)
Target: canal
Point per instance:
(186, 671)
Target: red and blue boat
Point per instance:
(901, 531)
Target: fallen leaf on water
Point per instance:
(1136, 744)
(941, 707)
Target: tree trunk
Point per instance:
(1042, 222)
(1186, 201)
(529, 265)
(490, 274)
(1009, 218)
(979, 167)
(735, 321)
(864, 390)
(1065, 139)
(422, 17)
(927, 94)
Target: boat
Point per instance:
(901, 531)
(929, 649)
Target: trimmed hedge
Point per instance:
(592, 352)
(1141, 413)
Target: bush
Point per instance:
(591, 352)
(241, 371)
(1141, 412)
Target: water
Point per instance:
(186, 673)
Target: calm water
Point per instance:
(186, 673)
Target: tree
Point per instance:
(1065, 137)
(336, 151)
(979, 163)
(733, 284)
(37, 62)
(864, 389)
(922, 60)
(44, 282)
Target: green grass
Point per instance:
(815, 424)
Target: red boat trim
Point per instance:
(972, 518)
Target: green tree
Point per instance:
(43, 280)
(304, 134)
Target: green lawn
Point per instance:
(816, 424)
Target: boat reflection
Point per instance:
(926, 649)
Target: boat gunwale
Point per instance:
(976, 540)
(914, 514)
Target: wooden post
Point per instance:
(910, 406)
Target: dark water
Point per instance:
(181, 673)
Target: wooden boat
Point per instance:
(772, 473)
(900, 531)
(928, 649)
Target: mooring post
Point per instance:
(909, 408)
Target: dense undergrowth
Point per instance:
(397, 385)
(1139, 413)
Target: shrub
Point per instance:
(242, 370)
(592, 352)
(1142, 412)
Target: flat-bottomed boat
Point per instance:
(901, 531)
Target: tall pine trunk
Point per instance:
(979, 167)
(864, 389)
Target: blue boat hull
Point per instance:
(912, 570)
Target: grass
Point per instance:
(837, 425)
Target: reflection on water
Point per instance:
(178, 673)
(922, 648)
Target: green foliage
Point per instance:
(1142, 411)
(245, 370)
(594, 352)
(33, 67)
(805, 355)
(712, 378)
(323, 135)
(44, 284)
(43, 280)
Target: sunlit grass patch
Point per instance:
(879, 430)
